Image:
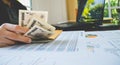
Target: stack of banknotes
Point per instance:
(36, 21)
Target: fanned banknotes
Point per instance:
(39, 29)
(26, 15)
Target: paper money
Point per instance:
(37, 21)
(37, 32)
(25, 16)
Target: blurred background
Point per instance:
(64, 10)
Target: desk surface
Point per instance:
(70, 48)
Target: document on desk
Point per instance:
(70, 48)
(43, 53)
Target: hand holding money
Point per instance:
(36, 21)
(10, 34)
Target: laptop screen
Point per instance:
(91, 12)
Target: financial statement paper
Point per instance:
(70, 48)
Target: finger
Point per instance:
(21, 29)
(6, 42)
(15, 28)
(17, 37)
(3, 45)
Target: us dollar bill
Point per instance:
(26, 15)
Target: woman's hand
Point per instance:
(10, 34)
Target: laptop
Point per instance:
(85, 21)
